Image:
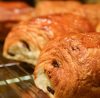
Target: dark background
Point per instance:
(32, 2)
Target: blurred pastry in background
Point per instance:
(90, 11)
(27, 39)
(10, 14)
(51, 7)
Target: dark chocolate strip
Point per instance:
(25, 44)
(11, 54)
(55, 63)
(50, 90)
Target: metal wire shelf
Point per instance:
(16, 80)
(20, 80)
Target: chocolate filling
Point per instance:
(50, 90)
(55, 63)
(11, 54)
(25, 44)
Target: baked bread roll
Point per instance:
(28, 38)
(90, 11)
(11, 13)
(69, 67)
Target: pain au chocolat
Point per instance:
(69, 66)
(27, 39)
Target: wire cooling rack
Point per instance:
(17, 81)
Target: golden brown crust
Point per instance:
(38, 31)
(53, 25)
(13, 4)
(72, 65)
(13, 11)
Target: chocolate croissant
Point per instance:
(90, 11)
(28, 38)
(69, 66)
(10, 14)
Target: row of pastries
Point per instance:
(13, 12)
(61, 39)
